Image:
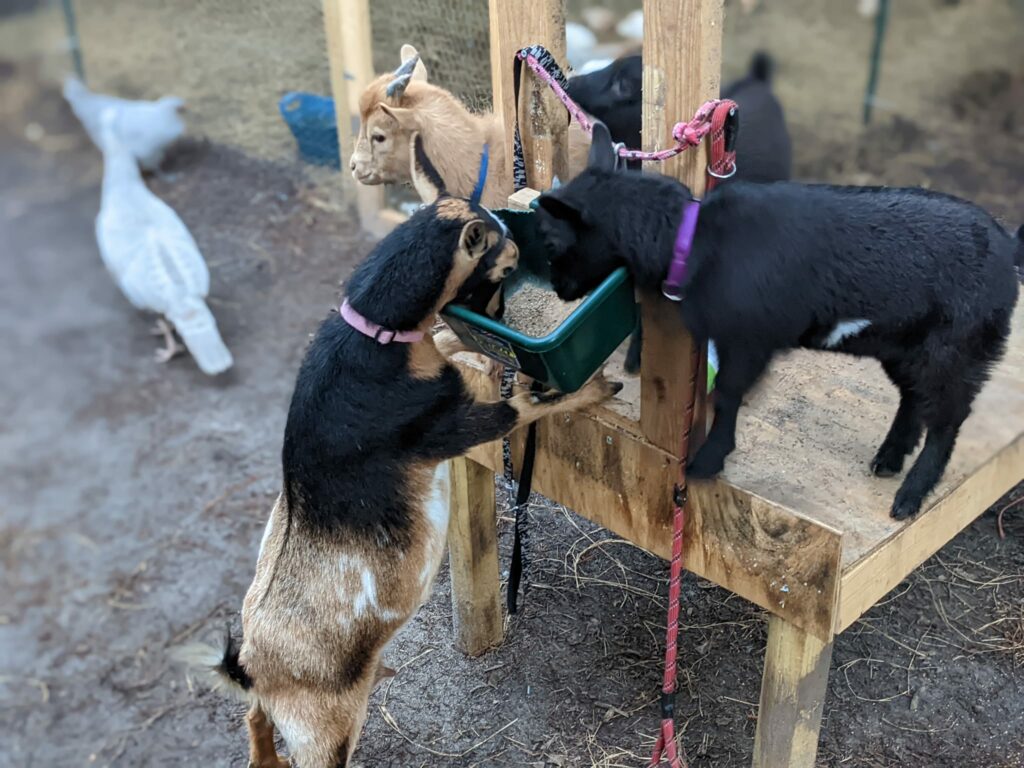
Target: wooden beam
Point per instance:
(869, 579)
(682, 70)
(515, 25)
(766, 553)
(596, 464)
(792, 695)
(473, 558)
(339, 88)
(350, 48)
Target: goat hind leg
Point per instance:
(262, 751)
(927, 470)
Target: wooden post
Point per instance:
(350, 52)
(682, 70)
(473, 558)
(339, 88)
(792, 696)
(543, 123)
(472, 532)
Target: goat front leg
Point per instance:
(736, 375)
(262, 751)
(448, 343)
(477, 423)
(531, 406)
(907, 426)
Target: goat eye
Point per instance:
(379, 138)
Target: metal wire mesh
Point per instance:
(452, 37)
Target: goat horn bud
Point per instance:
(402, 76)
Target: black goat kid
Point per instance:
(763, 148)
(922, 281)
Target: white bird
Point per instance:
(147, 128)
(152, 257)
(579, 44)
(632, 26)
(593, 65)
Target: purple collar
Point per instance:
(376, 332)
(672, 286)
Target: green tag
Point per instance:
(492, 346)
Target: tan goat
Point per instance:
(356, 537)
(397, 104)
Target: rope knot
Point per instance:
(685, 133)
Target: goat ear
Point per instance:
(602, 152)
(419, 73)
(560, 209)
(406, 118)
(425, 178)
(473, 239)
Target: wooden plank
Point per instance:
(677, 79)
(520, 201)
(809, 430)
(543, 127)
(770, 555)
(868, 580)
(339, 88)
(473, 558)
(356, 35)
(792, 695)
(353, 66)
(615, 478)
(767, 554)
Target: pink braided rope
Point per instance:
(686, 135)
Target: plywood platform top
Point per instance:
(810, 428)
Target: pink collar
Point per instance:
(377, 333)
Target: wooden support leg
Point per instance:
(792, 695)
(473, 557)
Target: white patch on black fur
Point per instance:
(844, 329)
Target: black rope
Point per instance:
(518, 564)
(550, 65)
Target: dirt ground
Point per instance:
(134, 495)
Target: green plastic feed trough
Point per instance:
(568, 355)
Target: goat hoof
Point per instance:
(884, 465)
(905, 507)
(704, 466)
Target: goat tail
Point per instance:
(221, 665)
(762, 67)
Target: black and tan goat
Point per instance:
(356, 537)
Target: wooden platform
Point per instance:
(797, 523)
